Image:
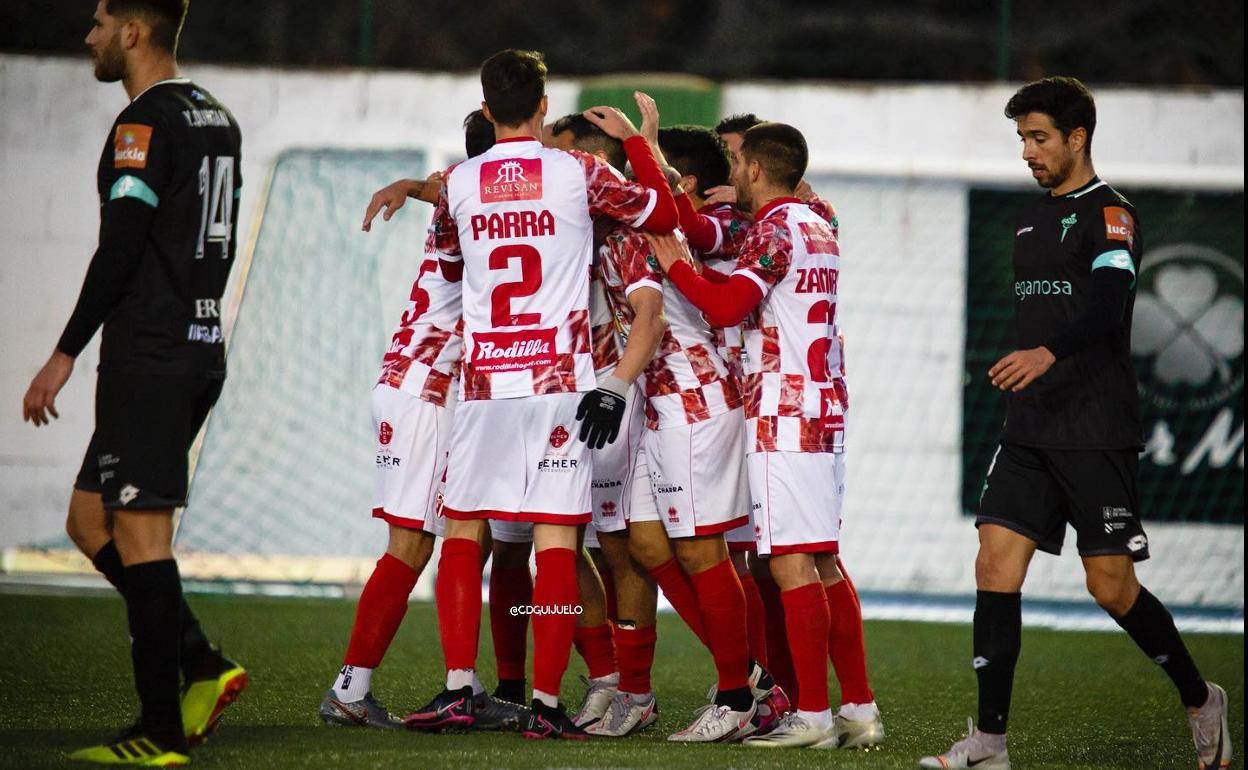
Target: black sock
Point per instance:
(153, 592)
(739, 699)
(199, 659)
(1150, 624)
(998, 639)
(510, 690)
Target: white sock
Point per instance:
(545, 698)
(859, 712)
(820, 719)
(991, 741)
(353, 683)
(477, 687)
(459, 678)
(612, 679)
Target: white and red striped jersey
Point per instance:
(424, 354)
(795, 390)
(607, 345)
(519, 216)
(687, 381)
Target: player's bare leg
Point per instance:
(650, 547)
(555, 595)
(722, 604)
(458, 595)
(1112, 582)
(380, 611)
(857, 723)
(87, 523)
(633, 707)
(807, 625)
(593, 642)
(511, 585)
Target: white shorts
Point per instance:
(511, 531)
(611, 489)
(412, 439)
(797, 501)
(642, 506)
(518, 459)
(697, 475)
(744, 537)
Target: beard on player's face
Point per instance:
(1057, 169)
(110, 60)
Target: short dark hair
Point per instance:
(696, 151)
(1064, 99)
(737, 124)
(165, 18)
(513, 83)
(780, 149)
(590, 138)
(478, 133)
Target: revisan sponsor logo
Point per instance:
(514, 179)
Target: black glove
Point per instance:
(601, 411)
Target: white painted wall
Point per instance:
(894, 159)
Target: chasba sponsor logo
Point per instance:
(513, 351)
(1025, 289)
(514, 179)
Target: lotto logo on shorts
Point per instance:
(513, 351)
(514, 179)
(558, 436)
(385, 433)
(130, 145)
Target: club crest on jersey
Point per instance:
(131, 143)
(558, 436)
(1119, 226)
(513, 351)
(1067, 223)
(514, 179)
(385, 433)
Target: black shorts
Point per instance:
(144, 427)
(1035, 492)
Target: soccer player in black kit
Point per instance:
(168, 182)
(1069, 448)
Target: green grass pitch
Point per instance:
(1082, 700)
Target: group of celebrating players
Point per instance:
(621, 359)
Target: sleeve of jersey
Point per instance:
(723, 304)
(133, 186)
(633, 256)
(702, 231)
(1114, 241)
(765, 255)
(646, 203)
(1104, 316)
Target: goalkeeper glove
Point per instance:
(601, 411)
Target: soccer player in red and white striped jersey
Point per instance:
(785, 288)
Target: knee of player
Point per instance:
(648, 554)
(1114, 593)
(995, 573)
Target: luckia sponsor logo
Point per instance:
(1188, 342)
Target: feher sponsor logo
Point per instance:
(130, 145)
(558, 436)
(513, 179)
(385, 433)
(513, 351)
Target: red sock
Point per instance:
(678, 589)
(380, 611)
(593, 643)
(510, 587)
(722, 603)
(608, 586)
(780, 663)
(458, 594)
(755, 619)
(554, 587)
(846, 645)
(635, 649)
(806, 619)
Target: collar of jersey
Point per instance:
(1093, 182)
(160, 83)
(516, 139)
(773, 205)
(707, 208)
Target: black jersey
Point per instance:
(1088, 400)
(174, 149)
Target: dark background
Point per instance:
(1198, 43)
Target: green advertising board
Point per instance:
(1187, 342)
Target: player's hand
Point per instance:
(431, 189)
(601, 411)
(803, 192)
(649, 118)
(40, 400)
(724, 193)
(1021, 368)
(612, 121)
(669, 249)
(391, 198)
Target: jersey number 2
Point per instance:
(530, 281)
(216, 194)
